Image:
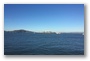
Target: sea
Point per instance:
(26, 43)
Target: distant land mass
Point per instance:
(48, 32)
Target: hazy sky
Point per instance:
(44, 17)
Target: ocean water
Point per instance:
(25, 43)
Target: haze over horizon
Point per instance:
(44, 17)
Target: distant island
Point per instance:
(45, 32)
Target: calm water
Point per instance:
(43, 44)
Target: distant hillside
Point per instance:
(21, 30)
(48, 32)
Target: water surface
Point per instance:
(25, 43)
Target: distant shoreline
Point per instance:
(22, 30)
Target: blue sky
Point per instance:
(44, 17)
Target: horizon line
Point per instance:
(46, 31)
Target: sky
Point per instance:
(44, 17)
